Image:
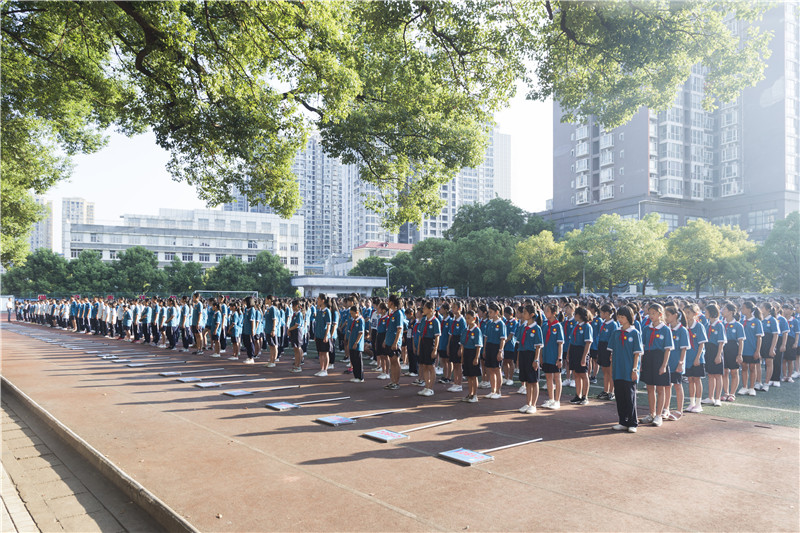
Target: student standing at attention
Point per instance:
(322, 333)
(471, 343)
(529, 358)
(626, 351)
(356, 332)
(732, 353)
(677, 361)
(553, 347)
(655, 370)
(751, 349)
(428, 347)
(493, 353)
(580, 344)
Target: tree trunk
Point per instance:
(697, 289)
(644, 285)
(610, 289)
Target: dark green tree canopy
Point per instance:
(370, 266)
(499, 214)
(406, 89)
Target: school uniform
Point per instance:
(553, 336)
(455, 329)
(127, 321)
(356, 331)
(430, 329)
(530, 339)
(771, 328)
(623, 347)
(197, 312)
(495, 332)
(295, 335)
(597, 323)
(794, 330)
(248, 331)
(444, 338)
(581, 334)
(752, 331)
(697, 344)
(380, 337)
(223, 340)
(716, 336)
(335, 318)
(471, 341)
(510, 347)
(607, 330)
(777, 366)
(680, 340)
(656, 341)
(173, 326)
(322, 325)
(397, 320)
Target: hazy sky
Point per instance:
(129, 175)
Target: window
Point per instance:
(76, 237)
(582, 197)
(582, 165)
(621, 136)
(253, 245)
(152, 240)
(205, 258)
(266, 227)
(94, 237)
(294, 261)
(283, 260)
(75, 253)
(606, 157)
(116, 239)
(582, 181)
(670, 219)
(607, 174)
(294, 247)
(283, 247)
(205, 242)
(729, 135)
(582, 132)
(251, 258)
(607, 141)
(169, 256)
(251, 226)
(672, 168)
(761, 220)
(606, 192)
(237, 256)
(236, 225)
(219, 224)
(112, 254)
(697, 189)
(671, 187)
(582, 149)
(284, 228)
(220, 257)
(621, 172)
(134, 239)
(187, 242)
(187, 256)
(202, 223)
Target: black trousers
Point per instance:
(247, 340)
(358, 365)
(413, 358)
(186, 337)
(777, 363)
(625, 392)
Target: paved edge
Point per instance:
(157, 509)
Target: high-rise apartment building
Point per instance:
(42, 233)
(75, 211)
(737, 165)
(334, 199)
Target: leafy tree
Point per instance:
(429, 260)
(370, 266)
(43, 272)
(693, 255)
(230, 274)
(498, 213)
(404, 89)
(538, 264)
(480, 263)
(136, 271)
(183, 278)
(88, 274)
(735, 268)
(779, 258)
(269, 275)
(535, 224)
(404, 277)
(619, 250)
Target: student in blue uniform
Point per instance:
(394, 335)
(594, 369)
(197, 333)
(657, 341)
(677, 361)
(494, 342)
(510, 347)
(580, 342)
(356, 331)
(322, 333)
(552, 356)
(529, 357)
(127, 322)
(790, 350)
(695, 357)
(626, 350)
(457, 326)
(271, 327)
(248, 330)
(608, 327)
(751, 350)
(568, 324)
(714, 355)
(470, 351)
(428, 347)
(296, 331)
(770, 344)
(732, 353)
(444, 356)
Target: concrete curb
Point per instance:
(160, 511)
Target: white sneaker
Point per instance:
(758, 386)
(524, 408)
(249, 361)
(484, 385)
(403, 367)
(717, 403)
(707, 401)
(547, 403)
(439, 371)
(618, 427)
(488, 396)
(215, 355)
(631, 429)
(776, 384)
(751, 392)
(426, 392)
(383, 376)
(743, 391)
(270, 365)
(321, 373)
(657, 421)
(296, 370)
(472, 399)
(555, 405)
(496, 396)
(455, 388)
(522, 390)
(572, 383)
(795, 375)
(356, 380)
(565, 383)
(696, 409)
(765, 387)
(509, 382)
(531, 409)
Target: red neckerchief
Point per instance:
(652, 336)
(425, 327)
(574, 331)
(453, 325)
(525, 334)
(549, 325)
(353, 323)
(622, 337)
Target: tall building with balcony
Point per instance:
(75, 211)
(737, 165)
(42, 232)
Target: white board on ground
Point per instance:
(242, 392)
(182, 372)
(387, 435)
(286, 406)
(337, 420)
(467, 457)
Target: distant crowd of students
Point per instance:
(480, 344)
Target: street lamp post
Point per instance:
(389, 267)
(583, 283)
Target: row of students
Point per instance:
(487, 340)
